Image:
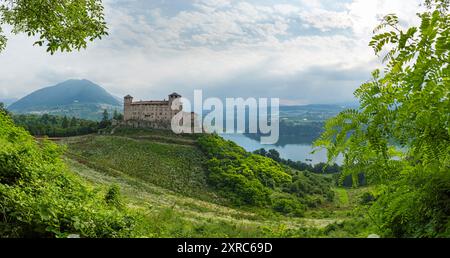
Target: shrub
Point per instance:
(243, 177)
(41, 198)
(416, 206)
(366, 198)
(288, 204)
(113, 196)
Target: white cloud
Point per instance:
(365, 15)
(325, 20)
(216, 45)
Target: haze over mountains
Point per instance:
(79, 98)
(7, 101)
(87, 100)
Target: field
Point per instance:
(164, 178)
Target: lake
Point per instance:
(296, 152)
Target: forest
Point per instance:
(62, 126)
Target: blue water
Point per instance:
(296, 152)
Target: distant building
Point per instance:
(151, 113)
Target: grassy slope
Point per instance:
(163, 177)
(172, 166)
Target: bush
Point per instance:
(366, 198)
(243, 177)
(288, 205)
(418, 205)
(305, 184)
(41, 198)
(113, 196)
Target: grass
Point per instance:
(164, 179)
(170, 214)
(342, 196)
(176, 167)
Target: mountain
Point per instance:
(79, 98)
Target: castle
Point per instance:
(152, 113)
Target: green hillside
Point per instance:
(167, 177)
(176, 167)
(41, 197)
(150, 183)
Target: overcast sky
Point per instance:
(302, 51)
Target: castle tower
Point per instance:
(172, 97)
(127, 101)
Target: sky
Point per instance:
(301, 51)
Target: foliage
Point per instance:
(305, 184)
(367, 198)
(3, 108)
(40, 198)
(246, 178)
(117, 116)
(113, 196)
(171, 165)
(60, 24)
(399, 137)
(288, 204)
(250, 179)
(177, 202)
(105, 119)
(55, 126)
(417, 205)
(356, 227)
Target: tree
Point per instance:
(273, 154)
(261, 152)
(105, 116)
(105, 119)
(45, 118)
(65, 122)
(3, 108)
(117, 116)
(73, 122)
(399, 137)
(60, 24)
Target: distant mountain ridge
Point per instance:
(66, 93)
(79, 98)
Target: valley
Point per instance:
(164, 178)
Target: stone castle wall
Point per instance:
(155, 114)
(155, 111)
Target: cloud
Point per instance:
(301, 51)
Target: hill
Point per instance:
(150, 183)
(79, 98)
(173, 180)
(40, 197)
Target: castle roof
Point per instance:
(151, 102)
(128, 96)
